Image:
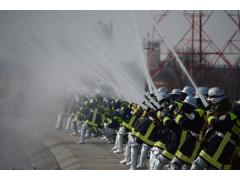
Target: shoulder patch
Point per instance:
(223, 117)
(191, 116)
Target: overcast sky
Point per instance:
(49, 24)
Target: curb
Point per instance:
(63, 155)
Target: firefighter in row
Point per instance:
(181, 133)
(78, 116)
(94, 118)
(192, 124)
(169, 132)
(129, 117)
(111, 126)
(159, 146)
(149, 137)
(129, 123)
(222, 135)
(69, 103)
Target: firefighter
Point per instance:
(193, 124)
(94, 118)
(65, 113)
(174, 136)
(73, 109)
(140, 143)
(128, 119)
(78, 118)
(221, 135)
(116, 125)
(159, 146)
(148, 131)
(157, 160)
(137, 114)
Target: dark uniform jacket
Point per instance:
(219, 148)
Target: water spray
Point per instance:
(177, 59)
(151, 86)
(156, 104)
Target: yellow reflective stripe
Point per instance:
(222, 145)
(179, 116)
(159, 144)
(233, 116)
(94, 128)
(135, 111)
(77, 114)
(186, 158)
(94, 115)
(210, 119)
(91, 123)
(227, 167)
(196, 149)
(135, 133)
(102, 119)
(183, 138)
(209, 159)
(145, 138)
(159, 114)
(125, 124)
(131, 121)
(236, 130)
(167, 154)
(179, 105)
(144, 113)
(238, 122)
(129, 124)
(200, 112)
(166, 119)
(149, 131)
(147, 141)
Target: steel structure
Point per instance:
(196, 42)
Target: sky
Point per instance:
(49, 24)
(57, 45)
(50, 42)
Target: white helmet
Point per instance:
(189, 90)
(215, 95)
(238, 102)
(191, 100)
(163, 90)
(163, 95)
(176, 92)
(203, 91)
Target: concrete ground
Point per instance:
(94, 155)
(55, 150)
(22, 152)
